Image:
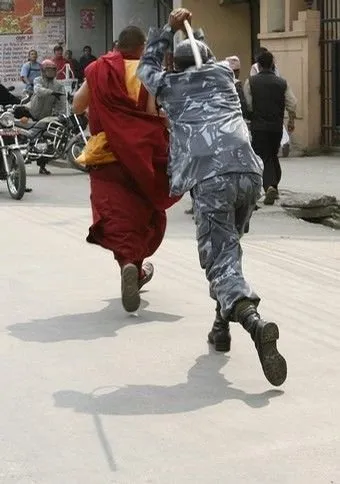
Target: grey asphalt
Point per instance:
(93, 396)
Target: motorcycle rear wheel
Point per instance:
(16, 179)
(74, 151)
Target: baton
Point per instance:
(194, 46)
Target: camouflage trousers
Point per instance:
(223, 206)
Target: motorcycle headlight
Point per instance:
(7, 120)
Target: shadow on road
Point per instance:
(88, 326)
(205, 387)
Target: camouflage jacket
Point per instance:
(208, 135)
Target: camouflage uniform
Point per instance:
(210, 156)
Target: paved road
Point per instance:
(93, 396)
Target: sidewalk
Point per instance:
(319, 174)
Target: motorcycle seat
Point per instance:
(27, 125)
(41, 124)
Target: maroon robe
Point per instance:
(129, 196)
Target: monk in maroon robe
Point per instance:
(127, 159)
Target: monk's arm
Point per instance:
(150, 70)
(81, 99)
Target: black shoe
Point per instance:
(28, 190)
(43, 171)
(220, 336)
(265, 336)
(272, 194)
(273, 363)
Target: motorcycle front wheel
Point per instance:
(76, 147)
(16, 178)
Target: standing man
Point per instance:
(127, 158)
(86, 58)
(30, 71)
(255, 68)
(60, 61)
(211, 156)
(267, 97)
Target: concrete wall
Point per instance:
(77, 37)
(227, 28)
(297, 55)
(142, 13)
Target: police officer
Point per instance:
(211, 157)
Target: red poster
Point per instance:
(54, 8)
(16, 15)
(88, 18)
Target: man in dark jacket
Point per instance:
(86, 59)
(268, 96)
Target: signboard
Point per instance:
(46, 33)
(54, 8)
(13, 53)
(16, 16)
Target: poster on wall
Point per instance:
(88, 18)
(14, 49)
(54, 8)
(47, 33)
(16, 15)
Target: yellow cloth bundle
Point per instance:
(97, 151)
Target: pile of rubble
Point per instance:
(311, 207)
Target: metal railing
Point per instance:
(330, 71)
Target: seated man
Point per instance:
(211, 156)
(48, 99)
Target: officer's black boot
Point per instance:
(264, 336)
(220, 336)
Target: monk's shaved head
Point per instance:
(131, 39)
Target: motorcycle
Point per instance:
(12, 164)
(55, 137)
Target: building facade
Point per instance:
(107, 19)
(304, 36)
(291, 30)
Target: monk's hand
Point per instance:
(177, 18)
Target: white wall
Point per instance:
(142, 13)
(76, 37)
